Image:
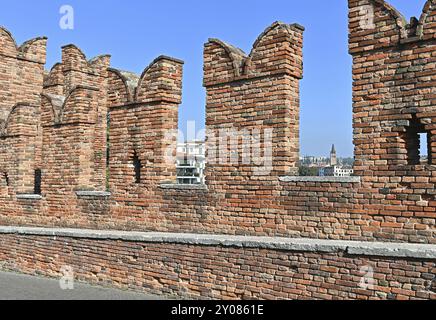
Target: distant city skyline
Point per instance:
(325, 153)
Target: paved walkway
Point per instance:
(22, 287)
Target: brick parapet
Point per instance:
(375, 25)
(278, 50)
(255, 92)
(174, 265)
(389, 200)
(393, 103)
(358, 248)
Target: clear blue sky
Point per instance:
(134, 32)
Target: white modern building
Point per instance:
(336, 171)
(191, 162)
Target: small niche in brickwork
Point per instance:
(137, 167)
(38, 177)
(4, 183)
(418, 144)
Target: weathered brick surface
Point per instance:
(140, 126)
(254, 92)
(58, 122)
(21, 80)
(216, 272)
(22, 71)
(394, 99)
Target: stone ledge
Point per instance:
(320, 179)
(29, 197)
(95, 194)
(183, 186)
(358, 248)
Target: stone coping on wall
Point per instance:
(351, 179)
(183, 186)
(358, 248)
(29, 196)
(95, 194)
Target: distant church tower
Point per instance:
(333, 157)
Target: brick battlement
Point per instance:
(89, 146)
(386, 27)
(31, 51)
(390, 200)
(159, 82)
(278, 50)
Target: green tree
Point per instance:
(308, 171)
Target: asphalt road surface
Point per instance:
(22, 287)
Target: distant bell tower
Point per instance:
(333, 157)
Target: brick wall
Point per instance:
(21, 80)
(22, 71)
(77, 111)
(394, 99)
(139, 128)
(246, 94)
(220, 272)
(391, 199)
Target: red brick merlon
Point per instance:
(375, 24)
(21, 71)
(73, 58)
(278, 50)
(122, 86)
(33, 50)
(161, 81)
(54, 80)
(79, 106)
(20, 121)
